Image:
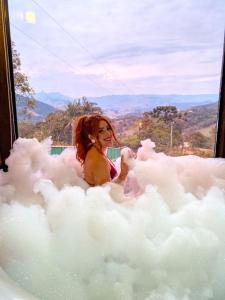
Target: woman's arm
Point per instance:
(123, 172)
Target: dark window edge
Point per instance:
(8, 117)
(220, 137)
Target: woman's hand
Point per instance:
(123, 169)
(127, 153)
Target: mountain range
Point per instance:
(54, 99)
(120, 104)
(114, 105)
(40, 111)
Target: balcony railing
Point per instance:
(112, 153)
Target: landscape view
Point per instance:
(176, 128)
(158, 81)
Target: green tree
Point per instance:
(198, 140)
(26, 129)
(57, 124)
(164, 126)
(132, 142)
(53, 125)
(81, 106)
(155, 129)
(167, 114)
(22, 85)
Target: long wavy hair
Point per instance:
(82, 128)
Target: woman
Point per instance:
(92, 136)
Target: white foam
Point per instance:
(163, 239)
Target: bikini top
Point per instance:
(113, 171)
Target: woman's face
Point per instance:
(105, 135)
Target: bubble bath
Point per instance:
(160, 237)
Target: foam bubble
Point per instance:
(61, 239)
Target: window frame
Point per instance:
(8, 116)
(220, 135)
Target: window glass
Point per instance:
(153, 67)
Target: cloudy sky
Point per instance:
(103, 47)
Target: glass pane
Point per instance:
(152, 67)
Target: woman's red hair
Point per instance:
(85, 126)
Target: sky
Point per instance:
(106, 47)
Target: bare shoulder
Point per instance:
(96, 168)
(96, 159)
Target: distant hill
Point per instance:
(123, 104)
(203, 116)
(37, 114)
(115, 105)
(55, 99)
